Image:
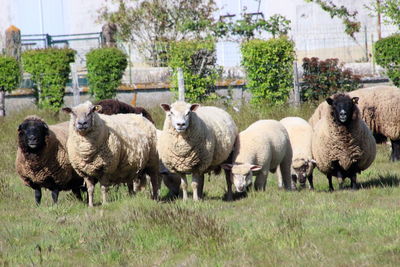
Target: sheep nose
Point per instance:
(342, 112)
(240, 188)
(180, 124)
(82, 123)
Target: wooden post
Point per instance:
(12, 49)
(181, 85)
(75, 84)
(296, 86)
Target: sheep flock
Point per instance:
(112, 143)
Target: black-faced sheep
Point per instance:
(342, 144)
(379, 108)
(114, 106)
(111, 149)
(195, 140)
(300, 134)
(42, 159)
(263, 147)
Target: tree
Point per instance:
(348, 18)
(10, 75)
(151, 24)
(388, 8)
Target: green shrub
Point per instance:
(387, 55)
(268, 65)
(198, 62)
(106, 67)
(10, 73)
(322, 78)
(50, 70)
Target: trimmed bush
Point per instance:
(106, 67)
(323, 78)
(269, 68)
(10, 75)
(50, 70)
(198, 62)
(387, 55)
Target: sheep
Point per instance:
(113, 106)
(196, 140)
(111, 149)
(342, 144)
(264, 146)
(300, 134)
(42, 159)
(380, 111)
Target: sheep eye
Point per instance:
(171, 113)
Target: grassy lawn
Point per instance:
(301, 228)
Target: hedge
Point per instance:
(50, 70)
(198, 62)
(106, 67)
(387, 55)
(269, 68)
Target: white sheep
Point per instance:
(111, 149)
(300, 135)
(264, 146)
(342, 144)
(195, 140)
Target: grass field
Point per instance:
(301, 228)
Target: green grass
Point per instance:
(344, 228)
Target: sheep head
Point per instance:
(303, 168)
(179, 114)
(82, 116)
(241, 174)
(32, 133)
(344, 108)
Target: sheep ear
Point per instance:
(329, 101)
(67, 110)
(255, 167)
(313, 161)
(193, 107)
(165, 107)
(355, 99)
(227, 166)
(97, 108)
(20, 127)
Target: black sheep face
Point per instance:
(32, 135)
(343, 107)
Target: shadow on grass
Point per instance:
(389, 180)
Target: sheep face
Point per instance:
(343, 107)
(303, 168)
(83, 116)
(179, 114)
(32, 134)
(241, 174)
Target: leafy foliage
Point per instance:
(50, 69)
(268, 66)
(322, 78)
(388, 8)
(348, 18)
(150, 23)
(198, 62)
(106, 67)
(387, 54)
(10, 73)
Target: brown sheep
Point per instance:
(114, 106)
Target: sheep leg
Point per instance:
(90, 192)
(54, 195)
(261, 180)
(197, 186)
(329, 176)
(184, 186)
(354, 182)
(154, 180)
(294, 181)
(130, 186)
(229, 196)
(310, 181)
(104, 190)
(77, 193)
(38, 195)
(395, 156)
